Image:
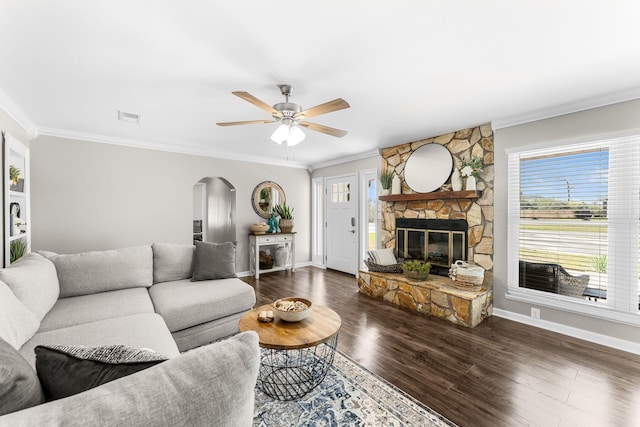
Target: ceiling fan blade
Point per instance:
(248, 122)
(327, 107)
(324, 129)
(255, 101)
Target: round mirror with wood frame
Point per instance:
(428, 167)
(265, 196)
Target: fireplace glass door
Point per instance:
(438, 247)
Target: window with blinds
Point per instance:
(574, 221)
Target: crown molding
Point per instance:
(167, 147)
(568, 108)
(365, 155)
(9, 107)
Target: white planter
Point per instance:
(456, 180)
(471, 183)
(385, 192)
(282, 256)
(395, 185)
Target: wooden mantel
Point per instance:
(435, 195)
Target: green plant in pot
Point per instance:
(416, 270)
(386, 178)
(17, 249)
(14, 174)
(286, 217)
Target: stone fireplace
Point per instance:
(441, 242)
(477, 211)
(410, 223)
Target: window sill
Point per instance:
(571, 305)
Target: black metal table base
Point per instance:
(291, 374)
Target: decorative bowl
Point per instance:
(291, 315)
(259, 228)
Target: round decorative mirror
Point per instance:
(265, 196)
(428, 168)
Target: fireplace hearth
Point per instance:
(441, 242)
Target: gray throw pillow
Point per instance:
(19, 385)
(214, 261)
(68, 370)
(172, 261)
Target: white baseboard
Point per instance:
(298, 265)
(593, 337)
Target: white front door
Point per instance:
(342, 223)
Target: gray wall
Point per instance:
(354, 166)
(90, 196)
(613, 118)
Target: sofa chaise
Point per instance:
(167, 298)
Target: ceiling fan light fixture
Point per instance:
(289, 133)
(296, 136)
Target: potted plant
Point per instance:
(14, 177)
(386, 179)
(286, 217)
(416, 270)
(17, 249)
(471, 168)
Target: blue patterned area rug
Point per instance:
(350, 395)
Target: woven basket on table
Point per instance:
(377, 268)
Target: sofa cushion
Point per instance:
(100, 271)
(67, 370)
(19, 385)
(214, 261)
(139, 331)
(184, 304)
(206, 333)
(17, 322)
(33, 280)
(172, 262)
(209, 386)
(91, 308)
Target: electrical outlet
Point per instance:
(535, 313)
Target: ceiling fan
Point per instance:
(291, 116)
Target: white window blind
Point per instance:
(574, 221)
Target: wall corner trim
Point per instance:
(9, 107)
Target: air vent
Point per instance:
(128, 117)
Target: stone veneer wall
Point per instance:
(477, 141)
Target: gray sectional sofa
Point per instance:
(142, 297)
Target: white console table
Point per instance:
(271, 242)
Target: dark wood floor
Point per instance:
(501, 373)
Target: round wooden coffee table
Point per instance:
(296, 356)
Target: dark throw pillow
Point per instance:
(214, 261)
(65, 370)
(19, 385)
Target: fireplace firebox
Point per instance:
(441, 242)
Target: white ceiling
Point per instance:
(410, 69)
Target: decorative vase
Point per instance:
(395, 185)
(282, 255)
(286, 225)
(385, 192)
(471, 183)
(456, 180)
(273, 224)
